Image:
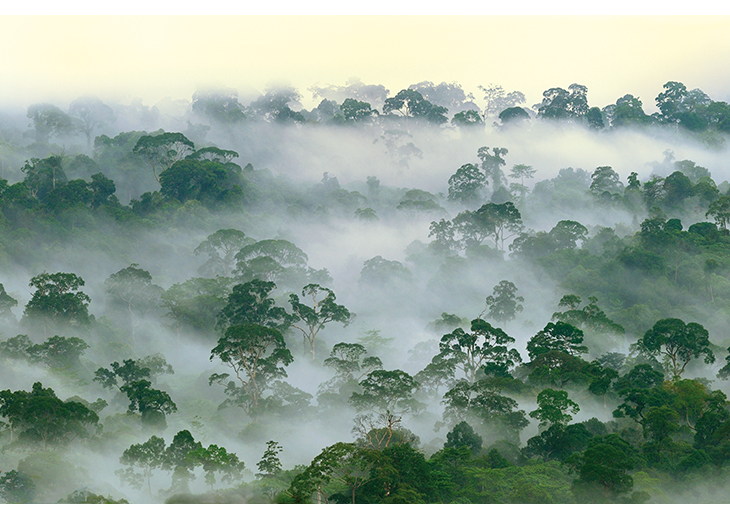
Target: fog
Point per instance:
(305, 182)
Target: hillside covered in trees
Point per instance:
(422, 296)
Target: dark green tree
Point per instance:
(249, 303)
(554, 407)
(177, 458)
(463, 435)
(152, 404)
(57, 300)
(602, 471)
(468, 119)
(485, 346)
(42, 419)
(387, 391)
(270, 466)
(676, 343)
(42, 176)
(217, 459)
(411, 104)
(557, 336)
(58, 352)
(354, 111)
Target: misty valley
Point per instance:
(422, 296)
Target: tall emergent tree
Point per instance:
(504, 303)
(322, 311)
(163, 150)
(466, 184)
(485, 346)
(132, 290)
(257, 355)
(91, 114)
(677, 343)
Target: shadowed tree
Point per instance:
(504, 304)
(178, 460)
(91, 114)
(151, 403)
(42, 419)
(131, 288)
(7, 302)
(216, 459)
(463, 435)
(390, 391)
(58, 352)
(50, 121)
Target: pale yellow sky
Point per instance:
(57, 59)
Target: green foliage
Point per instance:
(249, 303)
(270, 466)
(557, 336)
(17, 487)
(163, 150)
(486, 346)
(387, 391)
(504, 304)
(41, 419)
(257, 355)
(677, 343)
(322, 311)
(462, 435)
(57, 300)
(552, 405)
(152, 404)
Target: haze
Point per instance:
(57, 59)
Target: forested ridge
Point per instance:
(426, 296)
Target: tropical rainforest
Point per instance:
(421, 296)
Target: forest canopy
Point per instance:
(418, 296)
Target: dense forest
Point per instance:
(427, 296)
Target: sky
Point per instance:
(59, 58)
